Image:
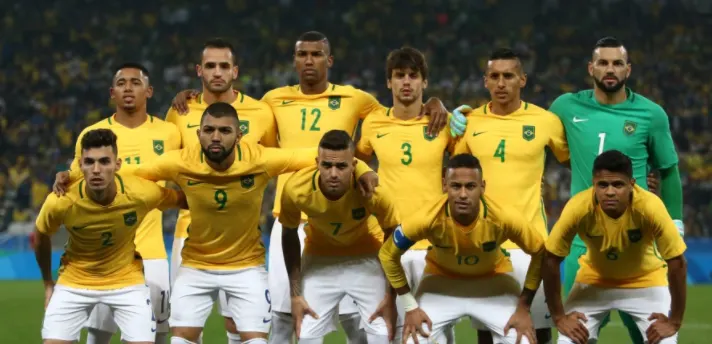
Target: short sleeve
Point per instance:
(564, 231)
(289, 215)
(277, 161)
(174, 138)
(367, 103)
(51, 215)
(557, 140)
(163, 168)
(269, 137)
(660, 143)
(364, 143)
(667, 237)
(157, 197)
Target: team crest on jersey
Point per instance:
(130, 218)
(426, 135)
(245, 127)
(629, 127)
(528, 132)
(158, 147)
(489, 246)
(247, 181)
(634, 235)
(335, 102)
(358, 214)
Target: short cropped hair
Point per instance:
(219, 43)
(613, 161)
(464, 161)
(99, 138)
(134, 65)
(220, 110)
(337, 140)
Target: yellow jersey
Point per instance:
(224, 232)
(464, 252)
(256, 123)
(343, 227)
(409, 160)
(622, 253)
(302, 119)
(137, 146)
(512, 152)
(100, 253)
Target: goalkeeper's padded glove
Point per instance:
(458, 120)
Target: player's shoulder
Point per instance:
(130, 184)
(500, 214)
(380, 116)
(642, 102)
(582, 203)
(560, 104)
(302, 182)
(244, 100)
(73, 194)
(646, 202)
(429, 214)
(162, 125)
(279, 93)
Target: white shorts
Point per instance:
(490, 301)
(279, 280)
(195, 291)
(539, 310)
(156, 274)
(68, 312)
(597, 302)
(176, 258)
(327, 280)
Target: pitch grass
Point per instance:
(21, 303)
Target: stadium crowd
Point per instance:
(56, 63)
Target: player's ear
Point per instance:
(632, 181)
(353, 163)
(199, 70)
(112, 96)
(590, 68)
(484, 185)
(444, 185)
(118, 163)
(425, 83)
(149, 91)
(329, 61)
(629, 68)
(388, 83)
(235, 72)
(522, 79)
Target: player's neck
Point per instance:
(131, 119)
(506, 108)
(228, 96)
(223, 165)
(406, 111)
(102, 197)
(317, 88)
(610, 98)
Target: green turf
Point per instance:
(21, 318)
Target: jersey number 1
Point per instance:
(601, 140)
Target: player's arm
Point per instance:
(163, 168)
(383, 207)
(364, 149)
(664, 158)
(277, 161)
(290, 218)
(557, 141)
(47, 223)
(269, 138)
(63, 179)
(157, 197)
(459, 146)
(671, 247)
(531, 242)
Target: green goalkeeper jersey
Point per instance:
(637, 127)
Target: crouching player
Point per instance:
(100, 265)
(466, 272)
(630, 239)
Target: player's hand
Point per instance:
(300, 308)
(61, 182)
(458, 120)
(367, 184)
(661, 328)
(413, 325)
(49, 290)
(521, 321)
(571, 325)
(387, 310)
(438, 115)
(653, 183)
(180, 102)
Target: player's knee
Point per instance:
(179, 340)
(191, 334)
(484, 337)
(256, 341)
(230, 325)
(96, 336)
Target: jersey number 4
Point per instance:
(499, 152)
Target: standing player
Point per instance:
(341, 246)
(218, 70)
(509, 137)
(224, 180)
(102, 213)
(142, 138)
(467, 270)
(631, 240)
(611, 116)
(410, 160)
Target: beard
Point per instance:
(612, 88)
(218, 157)
(217, 89)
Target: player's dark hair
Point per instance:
(609, 42)
(315, 36)
(504, 54)
(613, 161)
(464, 161)
(98, 138)
(220, 110)
(219, 43)
(406, 58)
(134, 65)
(336, 140)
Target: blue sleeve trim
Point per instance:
(401, 241)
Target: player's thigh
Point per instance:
(492, 301)
(593, 302)
(158, 281)
(571, 267)
(248, 302)
(323, 291)
(441, 299)
(67, 313)
(192, 297)
(640, 303)
(101, 318)
(176, 258)
(539, 310)
(278, 278)
(133, 312)
(367, 287)
(282, 329)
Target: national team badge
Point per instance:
(426, 135)
(489, 246)
(245, 127)
(634, 235)
(335, 102)
(130, 218)
(358, 214)
(528, 132)
(158, 147)
(629, 127)
(247, 181)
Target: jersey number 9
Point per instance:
(220, 198)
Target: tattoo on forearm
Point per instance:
(291, 248)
